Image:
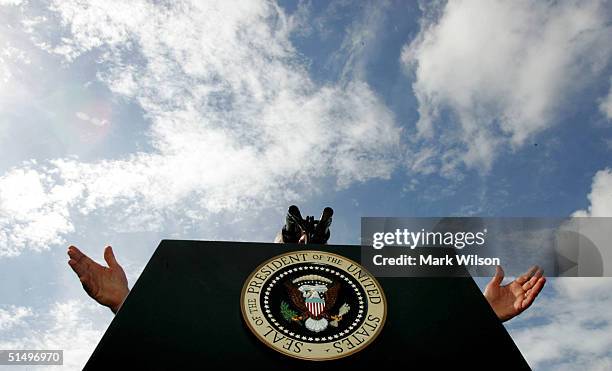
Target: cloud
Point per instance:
(605, 105)
(10, 2)
(236, 123)
(491, 74)
(92, 120)
(600, 208)
(600, 197)
(13, 316)
(64, 325)
(360, 43)
(569, 330)
(33, 211)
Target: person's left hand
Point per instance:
(106, 285)
(512, 299)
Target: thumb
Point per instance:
(499, 276)
(109, 256)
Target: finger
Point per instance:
(529, 284)
(75, 253)
(79, 262)
(533, 293)
(527, 275)
(532, 281)
(72, 263)
(499, 276)
(109, 256)
(80, 269)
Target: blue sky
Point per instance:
(127, 123)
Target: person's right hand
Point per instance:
(106, 285)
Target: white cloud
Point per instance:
(13, 316)
(600, 197)
(13, 58)
(596, 230)
(361, 40)
(569, 330)
(92, 120)
(64, 325)
(605, 105)
(236, 121)
(501, 71)
(10, 2)
(33, 210)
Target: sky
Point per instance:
(124, 123)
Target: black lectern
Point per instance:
(184, 313)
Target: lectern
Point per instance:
(184, 312)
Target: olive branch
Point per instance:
(287, 313)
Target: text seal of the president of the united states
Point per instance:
(313, 305)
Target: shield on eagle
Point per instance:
(315, 306)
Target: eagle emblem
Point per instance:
(313, 297)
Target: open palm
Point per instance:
(512, 299)
(107, 285)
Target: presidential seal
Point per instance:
(313, 305)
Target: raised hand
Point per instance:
(106, 285)
(512, 299)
